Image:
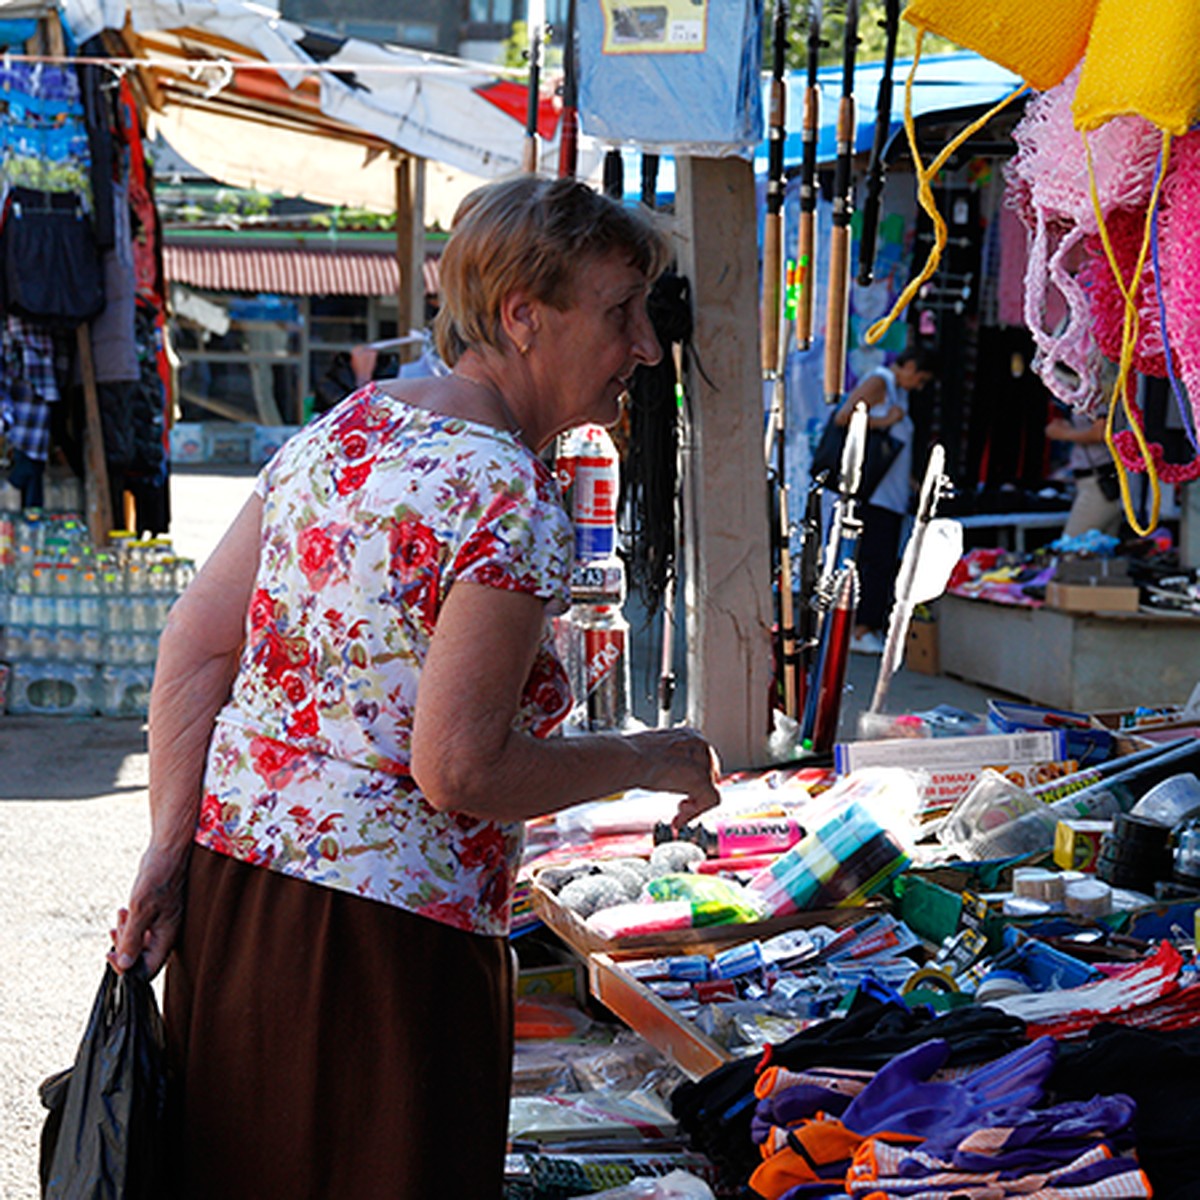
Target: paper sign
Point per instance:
(658, 27)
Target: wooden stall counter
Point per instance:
(1083, 662)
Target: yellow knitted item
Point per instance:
(1143, 57)
(1041, 40)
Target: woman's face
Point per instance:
(593, 346)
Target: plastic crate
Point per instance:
(267, 440)
(52, 689)
(187, 442)
(227, 442)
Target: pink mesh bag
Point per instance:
(1050, 190)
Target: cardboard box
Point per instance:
(1085, 597)
(921, 653)
(1077, 843)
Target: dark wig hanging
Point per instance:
(650, 473)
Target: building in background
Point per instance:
(474, 29)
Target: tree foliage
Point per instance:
(871, 34)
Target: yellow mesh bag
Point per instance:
(1143, 57)
(1040, 40)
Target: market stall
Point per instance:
(955, 952)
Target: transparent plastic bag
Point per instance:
(678, 1185)
(997, 819)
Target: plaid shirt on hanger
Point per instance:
(28, 386)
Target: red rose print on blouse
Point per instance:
(368, 514)
(262, 609)
(351, 478)
(275, 762)
(414, 547)
(317, 555)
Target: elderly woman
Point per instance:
(348, 726)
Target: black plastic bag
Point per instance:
(882, 450)
(105, 1135)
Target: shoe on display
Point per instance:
(866, 643)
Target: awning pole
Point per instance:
(410, 248)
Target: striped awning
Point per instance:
(286, 272)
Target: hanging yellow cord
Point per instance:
(925, 193)
(1129, 337)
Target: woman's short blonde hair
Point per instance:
(532, 235)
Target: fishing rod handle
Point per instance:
(568, 144)
(772, 299)
(837, 314)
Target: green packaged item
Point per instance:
(714, 901)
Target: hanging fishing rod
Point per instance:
(806, 276)
(774, 365)
(772, 273)
(537, 29)
(568, 140)
(875, 167)
(837, 315)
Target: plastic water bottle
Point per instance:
(597, 482)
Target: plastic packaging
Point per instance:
(678, 1185)
(846, 860)
(997, 819)
(714, 901)
(1171, 801)
(686, 77)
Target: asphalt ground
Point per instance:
(74, 819)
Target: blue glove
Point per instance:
(900, 1100)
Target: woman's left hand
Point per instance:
(150, 925)
(682, 761)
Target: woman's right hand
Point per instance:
(150, 925)
(681, 760)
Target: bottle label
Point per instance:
(606, 702)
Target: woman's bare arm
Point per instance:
(466, 757)
(197, 661)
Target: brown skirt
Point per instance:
(330, 1046)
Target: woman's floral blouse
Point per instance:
(370, 515)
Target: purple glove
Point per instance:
(795, 1104)
(899, 1100)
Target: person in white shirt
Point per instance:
(885, 392)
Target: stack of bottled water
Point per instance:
(79, 626)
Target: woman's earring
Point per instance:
(524, 348)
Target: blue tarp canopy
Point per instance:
(946, 85)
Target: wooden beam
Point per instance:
(410, 248)
(97, 500)
(726, 526)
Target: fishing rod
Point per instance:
(774, 364)
(933, 547)
(537, 25)
(837, 315)
(568, 138)
(833, 592)
(875, 167)
(772, 272)
(806, 276)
